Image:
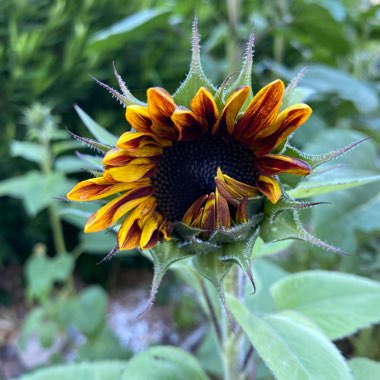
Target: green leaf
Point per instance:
(325, 80)
(100, 134)
(364, 369)
(164, 363)
(42, 272)
(312, 188)
(30, 151)
(291, 350)
(196, 77)
(88, 313)
(351, 211)
(138, 23)
(35, 189)
(102, 370)
(340, 304)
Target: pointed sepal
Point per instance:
(290, 91)
(196, 77)
(97, 146)
(240, 253)
(288, 226)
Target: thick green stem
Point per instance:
(230, 348)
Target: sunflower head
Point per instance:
(200, 171)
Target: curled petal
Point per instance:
(241, 212)
(133, 171)
(286, 123)
(139, 118)
(272, 164)
(223, 218)
(203, 105)
(228, 192)
(193, 210)
(208, 221)
(98, 188)
(233, 106)
(196, 223)
(114, 210)
(188, 124)
(261, 111)
(269, 187)
(241, 188)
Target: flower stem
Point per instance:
(230, 348)
(232, 43)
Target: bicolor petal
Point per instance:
(261, 111)
(272, 164)
(269, 187)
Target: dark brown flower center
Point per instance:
(186, 171)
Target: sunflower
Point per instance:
(198, 165)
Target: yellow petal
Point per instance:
(139, 118)
(132, 171)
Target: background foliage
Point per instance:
(49, 49)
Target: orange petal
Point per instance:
(261, 111)
(139, 118)
(188, 124)
(208, 221)
(228, 192)
(132, 171)
(193, 210)
(196, 223)
(222, 211)
(114, 210)
(161, 107)
(286, 123)
(233, 106)
(203, 105)
(97, 188)
(272, 164)
(269, 187)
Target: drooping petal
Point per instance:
(233, 106)
(223, 218)
(114, 210)
(193, 210)
(286, 123)
(189, 125)
(129, 234)
(161, 107)
(228, 192)
(241, 188)
(272, 164)
(150, 229)
(133, 171)
(241, 212)
(269, 187)
(98, 188)
(139, 118)
(208, 221)
(203, 105)
(261, 111)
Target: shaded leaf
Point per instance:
(365, 369)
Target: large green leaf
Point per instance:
(35, 189)
(290, 349)
(338, 303)
(364, 369)
(164, 363)
(29, 150)
(103, 370)
(312, 188)
(100, 134)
